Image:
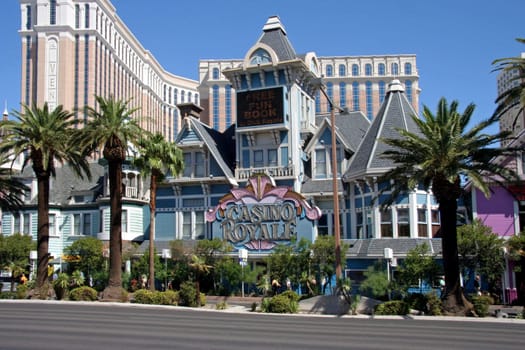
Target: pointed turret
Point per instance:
(395, 113)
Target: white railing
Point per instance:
(131, 192)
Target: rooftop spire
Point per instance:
(5, 115)
(395, 85)
(272, 23)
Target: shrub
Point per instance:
(481, 304)
(394, 307)
(143, 296)
(253, 307)
(83, 293)
(124, 295)
(221, 305)
(7, 295)
(187, 294)
(282, 304)
(291, 295)
(434, 305)
(61, 285)
(169, 297)
(21, 291)
(429, 303)
(417, 302)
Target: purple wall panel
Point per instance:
(497, 211)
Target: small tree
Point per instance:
(14, 254)
(516, 250)
(324, 255)
(376, 284)
(481, 250)
(89, 253)
(417, 267)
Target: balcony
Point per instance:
(131, 192)
(273, 171)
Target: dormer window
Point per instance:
(260, 56)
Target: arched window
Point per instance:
(382, 86)
(408, 90)
(260, 56)
(77, 15)
(228, 101)
(369, 112)
(329, 70)
(175, 96)
(215, 105)
(355, 70)
(408, 68)
(342, 94)
(215, 74)
(53, 12)
(355, 95)
(395, 69)
(368, 70)
(342, 70)
(86, 18)
(318, 102)
(330, 90)
(381, 69)
(28, 16)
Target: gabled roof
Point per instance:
(274, 35)
(66, 183)
(350, 129)
(220, 145)
(395, 113)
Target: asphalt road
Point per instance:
(66, 325)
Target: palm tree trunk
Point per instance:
(152, 208)
(43, 231)
(454, 301)
(114, 289)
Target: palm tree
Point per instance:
(441, 156)
(200, 269)
(44, 137)
(11, 189)
(112, 128)
(157, 157)
(515, 96)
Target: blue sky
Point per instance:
(455, 41)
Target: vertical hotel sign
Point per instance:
(52, 74)
(260, 215)
(260, 107)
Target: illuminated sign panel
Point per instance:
(261, 215)
(260, 107)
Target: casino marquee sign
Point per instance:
(260, 215)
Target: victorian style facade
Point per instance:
(256, 134)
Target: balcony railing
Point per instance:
(131, 192)
(275, 171)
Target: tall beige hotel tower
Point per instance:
(74, 50)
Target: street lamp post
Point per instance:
(166, 254)
(337, 226)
